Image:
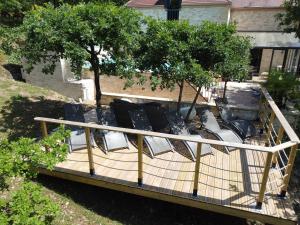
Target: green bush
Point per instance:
(28, 206)
(22, 158)
(281, 85)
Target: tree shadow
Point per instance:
(17, 115)
(131, 209)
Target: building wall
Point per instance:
(255, 19)
(157, 12)
(194, 14)
(58, 81)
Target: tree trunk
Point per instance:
(193, 104)
(95, 66)
(181, 84)
(97, 87)
(224, 92)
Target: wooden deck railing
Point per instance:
(272, 150)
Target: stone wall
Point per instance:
(197, 14)
(157, 12)
(255, 19)
(194, 14)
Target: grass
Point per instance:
(84, 204)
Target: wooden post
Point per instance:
(44, 132)
(197, 169)
(272, 118)
(264, 181)
(278, 141)
(89, 149)
(140, 159)
(288, 171)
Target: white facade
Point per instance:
(61, 81)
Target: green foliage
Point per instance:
(290, 19)
(22, 157)
(103, 34)
(165, 51)
(282, 84)
(28, 206)
(12, 12)
(218, 48)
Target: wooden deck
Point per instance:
(228, 183)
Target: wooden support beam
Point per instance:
(197, 169)
(264, 181)
(90, 150)
(278, 142)
(140, 159)
(271, 121)
(288, 170)
(44, 132)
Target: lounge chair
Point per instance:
(178, 127)
(77, 140)
(211, 124)
(112, 140)
(156, 145)
(243, 127)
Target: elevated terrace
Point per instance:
(250, 181)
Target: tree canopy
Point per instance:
(290, 19)
(165, 50)
(219, 49)
(12, 12)
(102, 34)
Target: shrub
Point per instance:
(28, 206)
(280, 85)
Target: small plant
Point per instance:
(28, 205)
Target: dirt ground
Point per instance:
(116, 85)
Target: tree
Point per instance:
(12, 12)
(165, 51)
(102, 34)
(199, 78)
(281, 85)
(290, 19)
(218, 48)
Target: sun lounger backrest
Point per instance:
(107, 117)
(140, 120)
(121, 109)
(156, 116)
(177, 124)
(209, 121)
(73, 112)
(91, 116)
